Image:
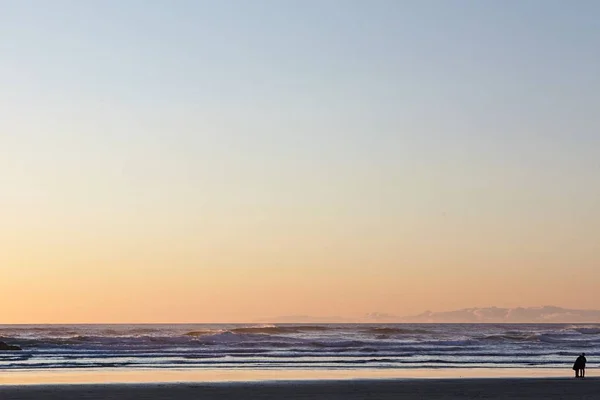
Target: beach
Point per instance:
(292, 361)
(501, 388)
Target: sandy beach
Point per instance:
(527, 388)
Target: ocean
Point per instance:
(289, 346)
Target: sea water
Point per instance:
(297, 346)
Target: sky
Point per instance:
(232, 161)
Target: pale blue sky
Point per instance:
(467, 126)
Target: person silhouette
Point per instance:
(579, 366)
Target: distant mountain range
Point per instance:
(546, 314)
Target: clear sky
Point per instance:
(210, 161)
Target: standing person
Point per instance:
(579, 366)
(582, 368)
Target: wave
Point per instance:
(202, 332)
(588, 331)
(567, 340)
(396, 331)
(263, 330)
(141, 331)
(229, 337)
(511, 338)
(281, 330)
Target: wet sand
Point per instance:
(222, 375)
(480, 388)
